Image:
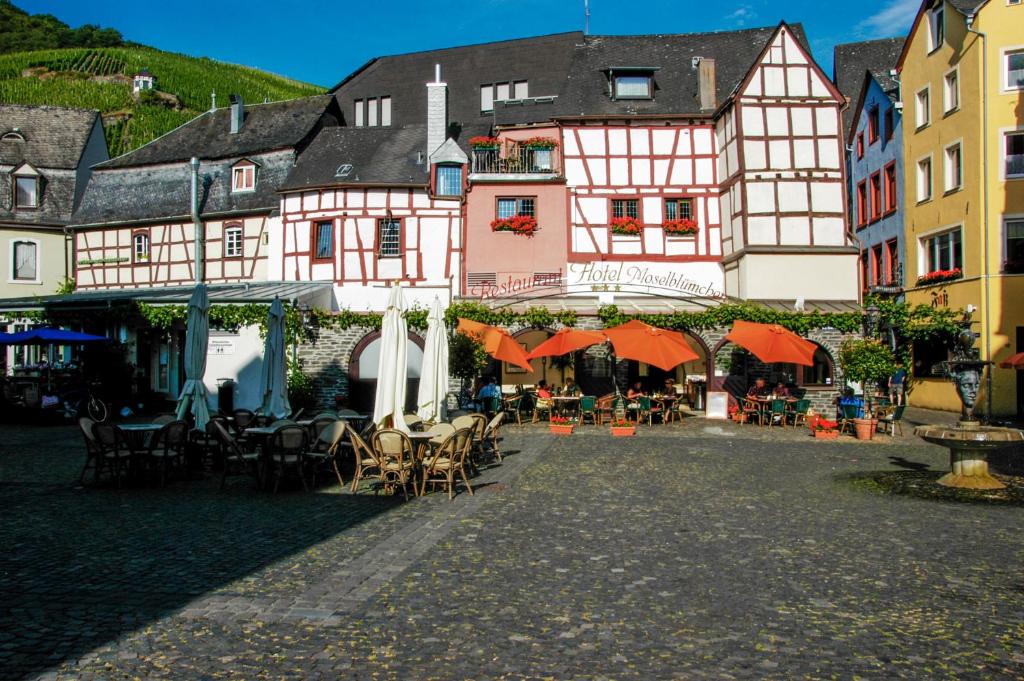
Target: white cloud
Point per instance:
(893, 19)
(740, 15)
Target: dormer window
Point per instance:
(13, 136)
(243, 177)
(936, 27)
(631, 82)
(26, 186)
(449, 180)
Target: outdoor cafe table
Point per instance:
(564, 403)
(136, 434)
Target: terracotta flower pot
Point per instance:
(623, 431)
(826, 434)
(865, 428)
(561, 429)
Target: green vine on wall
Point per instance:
(724, 315)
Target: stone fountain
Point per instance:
(969, 442)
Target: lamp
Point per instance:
(871, 317)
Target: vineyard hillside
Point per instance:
(101, 78)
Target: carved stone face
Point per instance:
(968, 381)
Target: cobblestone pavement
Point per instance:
(691, 551)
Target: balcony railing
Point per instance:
(515, 160)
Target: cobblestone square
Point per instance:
(690, 551)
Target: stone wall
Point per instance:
(326, 360)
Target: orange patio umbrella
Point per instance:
(1013, 362)
(566, 341)
(645, 343)
(497, 342)
(772, 343)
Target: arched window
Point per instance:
(822, 373)
(13, 136)
(140, 247)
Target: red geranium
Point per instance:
(939, 275)
(680, 226)
(562, 420)
(818, 423)
(484, 141)
(626, 226)
(520, 224)
(540, 143)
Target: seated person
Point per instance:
(781, 391)
(488, 391)
(670, 387)
(759, 389)
(570, 387)
(543, 391)
(636, 390)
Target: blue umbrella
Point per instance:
(197, 336)
(50, 336)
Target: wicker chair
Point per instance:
(513, 406)
(167, 447)
(541, 406)
(326, 448)
(754, 411)
(113, 452)
(413, 422)
(234, 455)
(490, 436)
(286, 452)
(92, 448)
(365, 458)
(397, 459)
(447, 459)
(317, 425)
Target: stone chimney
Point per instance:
(237, 113)
(706, 85)
(437, 112)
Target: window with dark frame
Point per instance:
(323, 240)
(626, 208)
(876, 196)
(511, 206)
(862, 203)
(678, 209)
(389, 237)
(890, 188)
(890, 124)
(873, 125)
(877, 264)
(865, 270)
(140, 247)
(233, 242)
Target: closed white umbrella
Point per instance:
(274, 371)
(430, 405)
(197, 335)
(389, 405)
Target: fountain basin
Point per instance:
(969, 444)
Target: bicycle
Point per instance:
(84, 402)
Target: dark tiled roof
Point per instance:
(675, 81)
(542, 61)
(54, 136)
(852, 60)
(56, 201)
(276, 125)
(118, 195)
(376, 156)
(967, 7)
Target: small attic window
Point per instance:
(13, 136)
(243, 177)
(631, 82)
(344, 170)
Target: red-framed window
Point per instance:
(877, 264)
(890, 124)
(876, 196)
(865, 269)
(860, 145)
(323, 240)
(890, 187)
(873, 125)
(862, 203)
(892, 259)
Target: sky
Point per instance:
(322, 42)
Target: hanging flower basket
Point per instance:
(939, 276)
(680, 227)
(519, 224)
(622, 428)
(540, 143)
(626, 226)
(484, 142)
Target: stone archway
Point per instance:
(362, 371)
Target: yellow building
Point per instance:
(962, 88)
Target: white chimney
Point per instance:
(437, 112)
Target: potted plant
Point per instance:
(867, 362)
(737, 415)
(484, 143)
(680, 227)
(562, 425)
(519, 224)
(627, 225)
(823, 429)
(540, 152)
(623, 428)
(939, 276)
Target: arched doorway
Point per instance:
(362, 372)
(736, 370)
(554, 370)
(686, 375)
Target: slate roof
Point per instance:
(276, 125)
(967, 7)
(852, 60)
(376, 156)
(119, 195)
(54, 136)
(675, 81)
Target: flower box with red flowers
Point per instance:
(680, 227)
(823, 429)
(561, 425)
(484, 142)
(623, 428)
(626, 226)
(939, 276)
(519, 224)
(540, 143)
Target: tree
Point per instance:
(867, 362)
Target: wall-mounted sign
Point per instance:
(654, 279)
(220, 346)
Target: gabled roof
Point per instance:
(266, 127)
(163, 192)
(967, 7)
(852, 60)
(855, 108)
(55, 136)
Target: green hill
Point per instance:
(101, 78)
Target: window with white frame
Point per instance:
(243, 178)
(954, 171)
(1013, 154)
(633, 86)
(389, 237)
(233, 242)
(936, 27)
(372, 112)
(951, 91)
(140, 247)
(26, 191)
(510, 207)
(924, 179)
(501, 92)
(943, 251)
(25, 256)
(1013, 69)
(922, 108)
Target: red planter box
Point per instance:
(623, 431)
(561, 430)
(826, 434)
